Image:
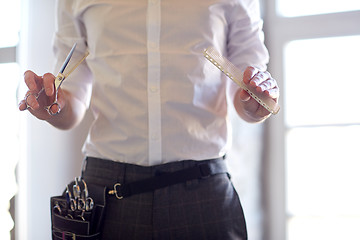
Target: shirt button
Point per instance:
(153, 2)
(154, 137)
(153, 45)
(153, 89)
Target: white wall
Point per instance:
(49, 157)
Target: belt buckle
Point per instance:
(116, 192)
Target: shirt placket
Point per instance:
(154, 103)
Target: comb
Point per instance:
(236, 75)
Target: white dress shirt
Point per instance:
(154, 96)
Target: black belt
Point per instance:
(201, 170)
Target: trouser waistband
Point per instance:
(153, 177)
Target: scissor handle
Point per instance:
(48, 108)
(73, 204)
(36, 95)
(59, 80)
(81, 204)
(57, 209)
(89, 204)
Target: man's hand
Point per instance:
(249, 109)
(40, 95)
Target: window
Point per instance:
(313, 159)
(9, 71)
(293, 8)
(10, 23)
(322, 70)
(321, 138)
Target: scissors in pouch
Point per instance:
(84, 202)
(87, 200)
(61, 76)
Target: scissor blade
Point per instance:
(67, 60)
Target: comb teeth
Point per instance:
(236, 75)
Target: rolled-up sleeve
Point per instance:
(245, 46)
(70, 30)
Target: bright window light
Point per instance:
(321, 85)
(9, 140)
(9, 22)
(322, 178)
(294, 8)
(323, 125)
(10, 27)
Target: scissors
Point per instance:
(81, 198)
(71, 201)
(77, 193)
(61, 76)
(88, 201)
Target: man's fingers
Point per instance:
(33, 81)
(22, 105)
(262, 81)
(31, 101)
(273, 93)
(267, 85)
(244, 96)
(249, 73)
(48, 80)
(259, 78)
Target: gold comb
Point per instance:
(236, 75)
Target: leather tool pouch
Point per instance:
(74, 216)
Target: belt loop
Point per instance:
(121, 177)
(83, 167)
(229, 175)
(205, 170)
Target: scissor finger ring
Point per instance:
(73, 204)
(89, 204)
(49, 108)
(58, 81)
(81, 204)
(36, 95)
(57, 209)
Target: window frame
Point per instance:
(8, 54)
(279, 31)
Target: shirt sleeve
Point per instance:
(245, 46)
(70, 30)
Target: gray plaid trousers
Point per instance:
(207, 209)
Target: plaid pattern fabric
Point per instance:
(199, 209)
